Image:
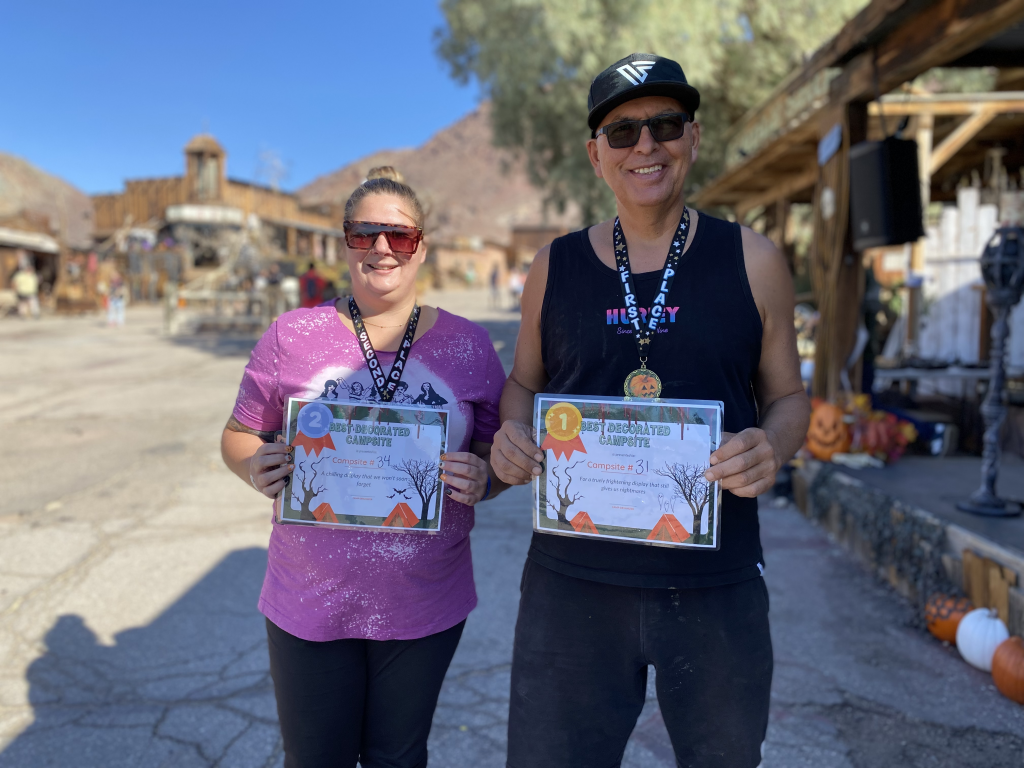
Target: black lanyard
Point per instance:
(643, 331)
(385, 385)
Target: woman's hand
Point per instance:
(465, 474)
(269, 467)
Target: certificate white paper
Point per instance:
(628, 470)
(361, 465)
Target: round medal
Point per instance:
(563, 421)
(643, 382)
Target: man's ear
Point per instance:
(595, 158)
(695, 141)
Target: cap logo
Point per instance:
(637, 72)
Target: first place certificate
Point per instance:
(360, 465)
(628, 470)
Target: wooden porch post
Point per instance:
(837, 270)
(925, 125)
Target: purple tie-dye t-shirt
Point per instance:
(328, 584)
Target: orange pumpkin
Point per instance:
(643, 385)
(1008, 669)
(942, 613)
(828, 432)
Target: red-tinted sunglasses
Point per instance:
(361, 235)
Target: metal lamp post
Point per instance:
(1002, 267)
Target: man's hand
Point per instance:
(746, 463)
(515, 456)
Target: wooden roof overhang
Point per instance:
(966, 127)
(771, 153)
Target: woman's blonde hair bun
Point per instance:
(385, 172)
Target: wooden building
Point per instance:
(794, 147)
(206, 197)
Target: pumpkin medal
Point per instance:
(643, 382)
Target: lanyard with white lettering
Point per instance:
(644, 382)
(386, 386)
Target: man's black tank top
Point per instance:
(708, 347)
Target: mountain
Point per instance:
(469, 188)
(31, 196)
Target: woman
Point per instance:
(362, 625)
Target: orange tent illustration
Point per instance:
(583, 524)
(669, 528)
(325, 514)
(402, 516)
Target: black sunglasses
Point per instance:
(626, 133)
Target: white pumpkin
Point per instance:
(979, 634)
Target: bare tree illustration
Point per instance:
(564, 499)
(693, 488)
(307, 484)
(423, 474)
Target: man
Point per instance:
(594, 614)
(26, 286)
(311, 287)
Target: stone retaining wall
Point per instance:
(910, 548)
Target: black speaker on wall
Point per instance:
(885, 193)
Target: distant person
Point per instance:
(495, 282)
(363, 624)
(275, 297)
(25, 283)
(311, 288)
(116, 294)
(515, 287)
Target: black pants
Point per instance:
(579, 671)
(366, 700)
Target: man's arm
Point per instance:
(746, 463)
(515, 456)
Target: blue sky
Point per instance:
(96, 92)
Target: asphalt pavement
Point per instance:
(131, 561)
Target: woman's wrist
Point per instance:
(252, 478)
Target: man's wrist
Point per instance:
(773, 441)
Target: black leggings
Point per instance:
(370, 701)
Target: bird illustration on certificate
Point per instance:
(364, 465)
(628, 470)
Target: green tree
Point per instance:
(535, 59)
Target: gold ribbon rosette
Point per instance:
(563, 423)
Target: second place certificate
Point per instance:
(364, 466)
(628, 470)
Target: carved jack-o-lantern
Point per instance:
(828, 432)
(943, 613)
(642, 385)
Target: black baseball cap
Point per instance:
(639, 74)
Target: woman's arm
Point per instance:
(256, 457)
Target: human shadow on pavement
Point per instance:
(190, 689)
